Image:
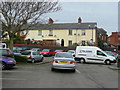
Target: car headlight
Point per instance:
(10, 61)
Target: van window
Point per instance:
(100, 53)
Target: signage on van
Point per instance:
(85, 51)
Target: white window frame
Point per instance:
(83, 32)
(39, 32)
(70, 32)
(50, 32)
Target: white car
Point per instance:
(63, 60)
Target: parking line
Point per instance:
(14, 71)
(78, 71)
(11, 79)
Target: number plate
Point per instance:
(63, 62)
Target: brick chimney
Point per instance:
(79, 20)
(50, 21)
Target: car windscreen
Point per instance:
(71, 51)
(46, 50)
(3, 52)
(26, 53)
(58, 50)
(66, 55)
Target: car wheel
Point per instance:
(107, 62)
(82, 60)
(41, 59)
(73, 70)
(52, 69)
(33, 60)
(4, 66)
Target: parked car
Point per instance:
(17, 52)
(7, 62)
(112, 54)
(47, 52)
(63, 60)
(93, 54)
(32, 56)
(21, 48)
(57, 50)
(35, 49)
(72, 52)
(6, 52)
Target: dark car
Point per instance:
(7, 62)
(6, 52)
(35, 49)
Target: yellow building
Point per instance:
(65, 34)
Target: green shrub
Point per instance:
(20, 58)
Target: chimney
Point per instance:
(50, 21)
(79, 20)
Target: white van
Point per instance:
(92, 54)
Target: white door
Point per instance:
(100, 56)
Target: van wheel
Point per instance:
(107, 62)
(82, 60)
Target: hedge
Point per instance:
(20, 58)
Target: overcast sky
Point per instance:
(104, 13)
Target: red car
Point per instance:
(47, 52)
(57, 50)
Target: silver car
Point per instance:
(72, 51)
(32, 56)
(63, 60)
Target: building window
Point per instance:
(70, 32)
(83, 42)
(108, 39)
(39, 32)
(83, 32)
(50, 32)
(70, 42)
(119, 39)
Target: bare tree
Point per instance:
(16, 15)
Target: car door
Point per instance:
(100, 56)
(35, 56)
(39, 56)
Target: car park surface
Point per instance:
(37, 75)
